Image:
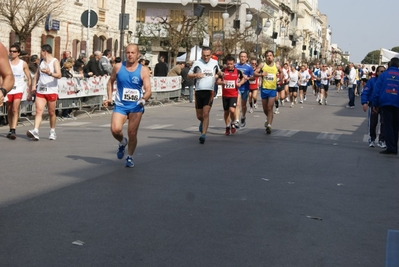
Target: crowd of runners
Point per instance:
(278, 84)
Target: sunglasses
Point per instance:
(13, 51)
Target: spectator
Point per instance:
(80, 63)
(33, 64)
(66, 72)
(142, 61)
(386, 98)
(105, 64)
(92, 69)
(147, 64)
(65, 57)
(176, 70)
(187, 82)
(161, 69)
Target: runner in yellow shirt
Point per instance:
(268, 71)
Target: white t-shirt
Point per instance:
(305, 76)
(293, 79)
(19, 78)
(323, 77)
(209, 70)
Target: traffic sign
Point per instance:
(93, 18)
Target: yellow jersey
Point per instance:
(270, 81)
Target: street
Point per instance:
(310, 194)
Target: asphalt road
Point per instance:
(310, 194)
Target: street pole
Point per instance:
(122, 37)
(88, 32)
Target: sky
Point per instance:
(361, 26)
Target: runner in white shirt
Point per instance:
(293, 83)
(324, 80)
(21, 72)
(303, 82)
(205, 71)
(46, 77)
(337, 77)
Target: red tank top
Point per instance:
(253, 85)
(230, 89)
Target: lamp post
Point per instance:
(274, 34)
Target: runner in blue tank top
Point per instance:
(133, 89)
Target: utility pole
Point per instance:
(122, 37)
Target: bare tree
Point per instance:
(179, 34)
(25, 15)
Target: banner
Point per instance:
(77, 87)
(165, 84)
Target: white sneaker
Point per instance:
(304, 98)
(276, 111)
(251, 110)
(255, 106)
(371, 144)
(52, 136)
(382, 144)
(292, 105)
(325, 102)
(301, 102)
(32, 134)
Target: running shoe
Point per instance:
(325, 102)
(233, 128)
(282, 102)
(227, 131)
(371, 144)
(129, 162)
(304, 98)
(255, 106)
(276, 111)
(12, 135)
(266, 123)
(300, 102)
(251, 110)
(292, 105)
(52, 135)
(320, 102)
(202, 139)
(200, 127)
(269, 129)
(121, 149)
(382, 144)
(243, 123)
(237, 124)
(32, 134)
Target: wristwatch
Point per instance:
(4, 91)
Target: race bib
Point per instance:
(269, 77)
(252, 82)
(130, 95)
(42, 89)
(230, 85)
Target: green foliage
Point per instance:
(372, 57)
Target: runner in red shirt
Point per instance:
(253, 88)
(232, 79)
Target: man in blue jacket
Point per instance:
(386, 98)
(373, 116)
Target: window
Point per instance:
(216, 21)
(176, 16)
(101, 16)
(101, 3)
(140, 17)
